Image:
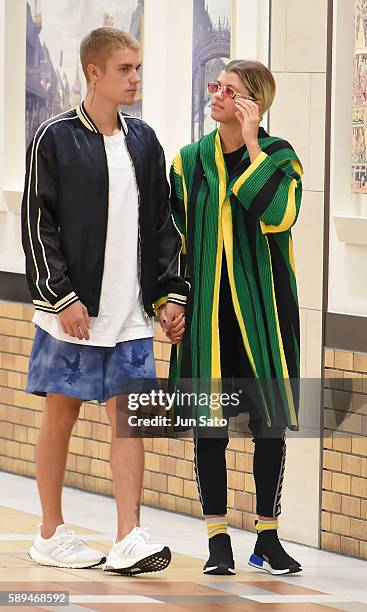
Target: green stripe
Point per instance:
(204, 239)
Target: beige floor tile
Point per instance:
(20, 560)
(18, 546)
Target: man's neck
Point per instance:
(231, 137)
(104, 115)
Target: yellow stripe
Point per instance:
(216, 525)
(177, 164)
(289, 215)
(291, 256)
(266, 526)
(297, 167)
(159, 303)
(216, 369)
(281, 348)
(228, 244)
(227, 232)
(250, 170)
(216, 532)
(178, 169)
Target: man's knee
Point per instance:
(62, 411)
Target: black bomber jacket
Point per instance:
(65, 212)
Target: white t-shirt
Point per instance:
(120, 316)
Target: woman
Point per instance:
(235, 196)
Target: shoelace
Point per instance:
(143, 534)
(140, 534)
(70, 542)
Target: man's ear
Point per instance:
(93, 72)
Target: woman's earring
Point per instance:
(94, 91)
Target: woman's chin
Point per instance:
(216, 115)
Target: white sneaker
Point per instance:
(135, 555)
(64, 549)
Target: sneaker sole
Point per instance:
(154, 563)
(219, 570)
(259, 563)
(50, 563)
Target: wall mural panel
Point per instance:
(211, 51)
(359, 122)
(54, 77)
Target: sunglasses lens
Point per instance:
(212, 87)
(227, 91)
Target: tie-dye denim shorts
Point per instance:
(90, 372)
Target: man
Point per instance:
(102, 254)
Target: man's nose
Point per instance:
(136, 78)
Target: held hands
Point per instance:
(75, 321)
(172, 318)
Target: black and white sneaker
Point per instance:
(269, 555)
(134, 554)
(220, 560)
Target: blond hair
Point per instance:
(97, 46)
(258, 80)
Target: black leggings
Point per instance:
(270, 445)
(211, 473)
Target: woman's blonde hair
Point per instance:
(97, 46)
(258, 80)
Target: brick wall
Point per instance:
(344, 483)
(169, 479)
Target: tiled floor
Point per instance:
(328, 582)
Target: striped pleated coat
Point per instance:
(248, 218)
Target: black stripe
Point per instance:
(186, 358)
(270, 149)
(176, 301)
(277, 145)
(288, 312)
(266, 194)
(252, 230)
(45, 309)
(205, 208)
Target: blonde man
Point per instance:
(101, 253)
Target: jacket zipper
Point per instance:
(145, 314)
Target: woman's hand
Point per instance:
(172, 318)
(248, 114)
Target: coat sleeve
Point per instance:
(174, 288)
(178, 201)
(46, 269)
(271, 190)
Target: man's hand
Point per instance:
(75, 321)
(172, 318)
